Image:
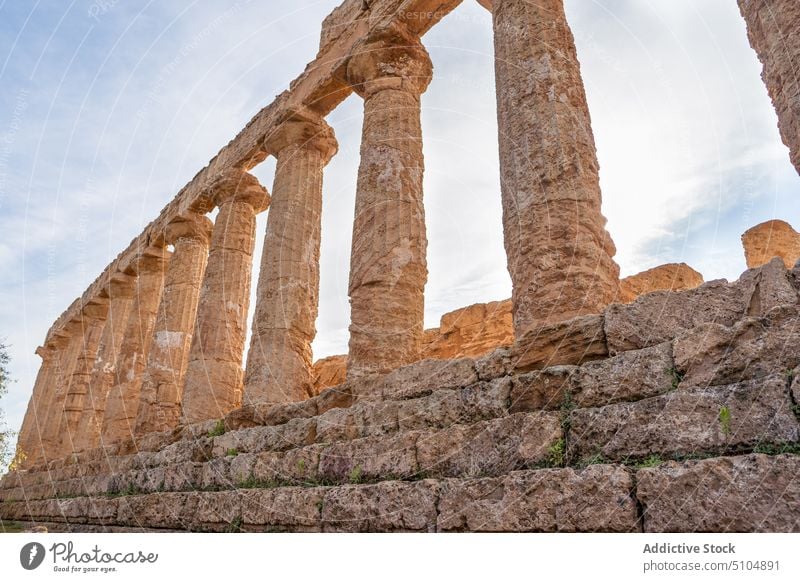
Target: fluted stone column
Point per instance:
(122, 403)
(30, 434)
(66, 365)
(94, 320)
(388, 267)
(213, 384)
(162, 385)
(120, 290)
(560, 255)
(279, 360)
(773, 27)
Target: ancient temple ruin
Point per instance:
(144, 413)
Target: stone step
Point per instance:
(695, 421)
(598, 498)
(416, 435)
(753, 492)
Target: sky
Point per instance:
(108, 108)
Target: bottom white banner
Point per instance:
(349, 557)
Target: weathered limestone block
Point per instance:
(388, 265)
(629, 376)
(159, 510)
(370, 458)
(559, 252)
(661, 316)
(122, 402)
(773, 238)
(571, 341)
(218, 511)
(213, 382)
(772, 29)
(424, 377)
(121, 290)
(327, 372)
(341, 20)
(493, 447)
(293, 466)
(594, 499)
(444, 408)
(669, 277)
(391, 506)
(495, 364)
(714, 354)
(470, 331)
(750, 493)
(283, 509)
(546, 389)
(162, 383)
(727, 418)
(279, 360)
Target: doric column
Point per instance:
(773, 27)
(388, 268)
(559, 254)
(122, 403)
(162, 385)
(279, 360)
(93, 321)
(213, 384)
(65, 366)
(120, 290)
(30, 434)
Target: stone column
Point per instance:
(773, 27)
(279, 360)
(65, 367)
(120, 291)
(29, 440)
(560, 255)
(388, 267)
(162, 385)
(213, 384)
(122, 403)
(94, 320)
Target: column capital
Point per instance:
(302, 127)
(121, 285)
(239, 186)
(150, 258)
(390, 58)
(189, 226)
(46, 351)
(94, 309)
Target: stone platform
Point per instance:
(677, 412)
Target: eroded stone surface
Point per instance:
(279, 360)
(388, 265)
(773, 238)
(670, 277)
(162, 382)
(213, 380)
(752, 493)
(560, 255)
(714, 354)
(772, 30)
(687, 422)
(122, 403)
(597, 498)
(572, 341)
